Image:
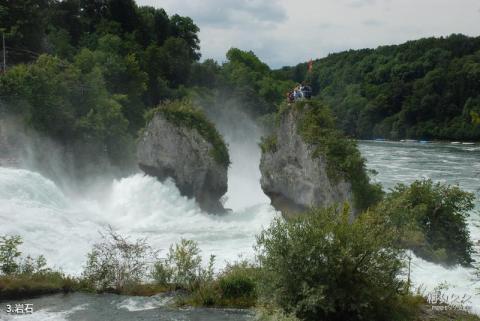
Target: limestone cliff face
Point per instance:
(294, 179)
(181, 153)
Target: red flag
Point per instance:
(310, 65)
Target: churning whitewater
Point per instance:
(63, 226)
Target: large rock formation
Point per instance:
(171, 150)
(292, 176)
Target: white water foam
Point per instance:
(144, 303)
(64, 228)
(461, 282)
(405, 162)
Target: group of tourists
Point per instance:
(300, 92)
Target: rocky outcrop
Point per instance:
(170, 150)
(292, 176)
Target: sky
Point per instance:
(287, 32)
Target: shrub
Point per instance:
(238, 284)
(183, 266)
(27, 286)
(268, 144)
(32, 265)
(320, 266)
(184, 113)
(116, 263)
(264, 314)
(9, 254)
(234, 287)
(25, 277)
(431, 218)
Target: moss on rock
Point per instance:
(183, 113)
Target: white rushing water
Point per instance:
(453, 164)
(63, 226)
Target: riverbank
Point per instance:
(118, 307)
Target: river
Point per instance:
(63, 225)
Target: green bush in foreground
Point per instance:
(235, 286)
(182, 267)
(431, 218)
(264, 314)
(184, 113)
(9, 254)
(116, 264)
(237, 282)
(321, 266)
(23, 277)
(31, 285)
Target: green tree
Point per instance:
(24, 25)
(9, 254)
(414, 90)
(181, 266)
(117, 263)
(432, 219)
(184, 28)
(322, 266)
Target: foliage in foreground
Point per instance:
(431, 218)
(271, 314)
(22, 277)
(321, 266)
(183, 269)
(27, 286)
(183, 113)
(116, 264)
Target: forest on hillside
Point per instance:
(85, 72)
(422, 89)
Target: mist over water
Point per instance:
(63, 223)
(242, 135)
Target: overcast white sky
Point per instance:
(286, 32)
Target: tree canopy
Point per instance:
(424, 89)
(86, 71)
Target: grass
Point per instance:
(28, 286)
(183, 113)
(428, 314)
(268, 144)
(235, 287)
(144, 290)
